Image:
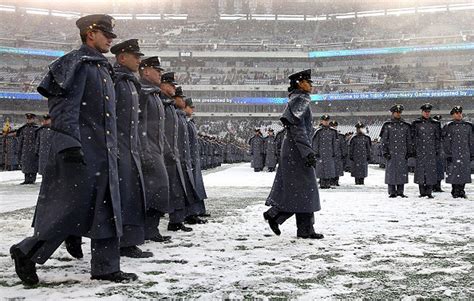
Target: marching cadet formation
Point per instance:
(117, 152)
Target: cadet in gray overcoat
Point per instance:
(397, 148)
(152, 140)
(177, 183)
(360, 148)
(79, 193)
(427, 145)
(270, 151)
(257, 150)
(27, 149)
(459, 150)
(132, 188)
(295, 190)
(324, 145)
(195, 160)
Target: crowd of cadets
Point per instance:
(15, 143)
(422, 147)
(122, 151)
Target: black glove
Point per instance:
(73, 155)
(310, 160)
(387, 156)
(449, 159)
(351, 158)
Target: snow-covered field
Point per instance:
(375, 247)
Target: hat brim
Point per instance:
(109, 33)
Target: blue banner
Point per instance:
(29, 51)
(362, 96)
(391, 50)
(19, 95)
(314, 97)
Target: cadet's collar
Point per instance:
(147, 83)
(297, 91)
(91, 51)
(121, 68)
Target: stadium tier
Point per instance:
(237, 69)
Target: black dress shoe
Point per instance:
(311, 236)
(134, 252)
(159, 238)
(25, 268)
(194, 219)
(73, 246)
(178, 226)
(273, 224)
(205, 215)
(392, 196)
(116, 277)
(190, 220)
(430, 196)
(403, 196)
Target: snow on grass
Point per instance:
(374, 247)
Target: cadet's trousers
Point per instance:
(304, 221)
(458, 190)
(359, 181)
(105, 252)
(30, 178)
(325, 183)
(132, 236)
(425, 190)
(197, 208)
(396, 189)
(152, 222)
(437, 187)
(177, 216)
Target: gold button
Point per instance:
(107, 114)
(105, 80)
(106, 97)
(108, 132)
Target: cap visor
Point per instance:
(110, 34)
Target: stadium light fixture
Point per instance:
(462, 6)
(370, 13)
(233, 17)
(175, 16)
(290, 17)
(64, 14)
(317, 18)
(401, 11)
(7, 8)
(432, 9)
(345, 16)
(122, 16)
(37, 11)
(148, 16)
(263, 17)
